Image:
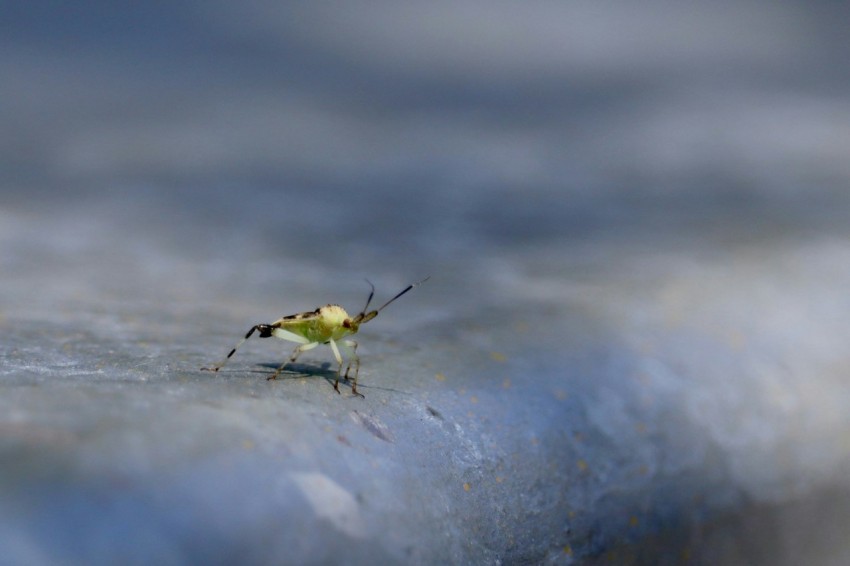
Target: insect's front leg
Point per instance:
(338, 357)
(350, 347)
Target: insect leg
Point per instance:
(350, 347)
(338, 360)
(292, 357)
(264, 332)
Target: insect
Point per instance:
(325, 325)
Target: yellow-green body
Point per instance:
(327, 323)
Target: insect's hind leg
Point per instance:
(292, 357)
(265, 332)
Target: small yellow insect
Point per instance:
(325, 325)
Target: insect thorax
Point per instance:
(332, 319)
(333, 315)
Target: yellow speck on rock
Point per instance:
(498, 356)
(466, 487)
(736, 340)
(440, 377)
(582, 465)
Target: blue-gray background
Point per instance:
(634, 216)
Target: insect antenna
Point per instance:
(369, 300)
(408, 288)
(367, 316)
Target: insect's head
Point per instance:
(366, 315)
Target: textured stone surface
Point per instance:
(632, 348)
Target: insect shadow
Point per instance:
(293, 371)
(296, 370)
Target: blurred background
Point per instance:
(368, 136)
(344, 132)
(667, 178)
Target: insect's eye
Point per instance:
(346, 323)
